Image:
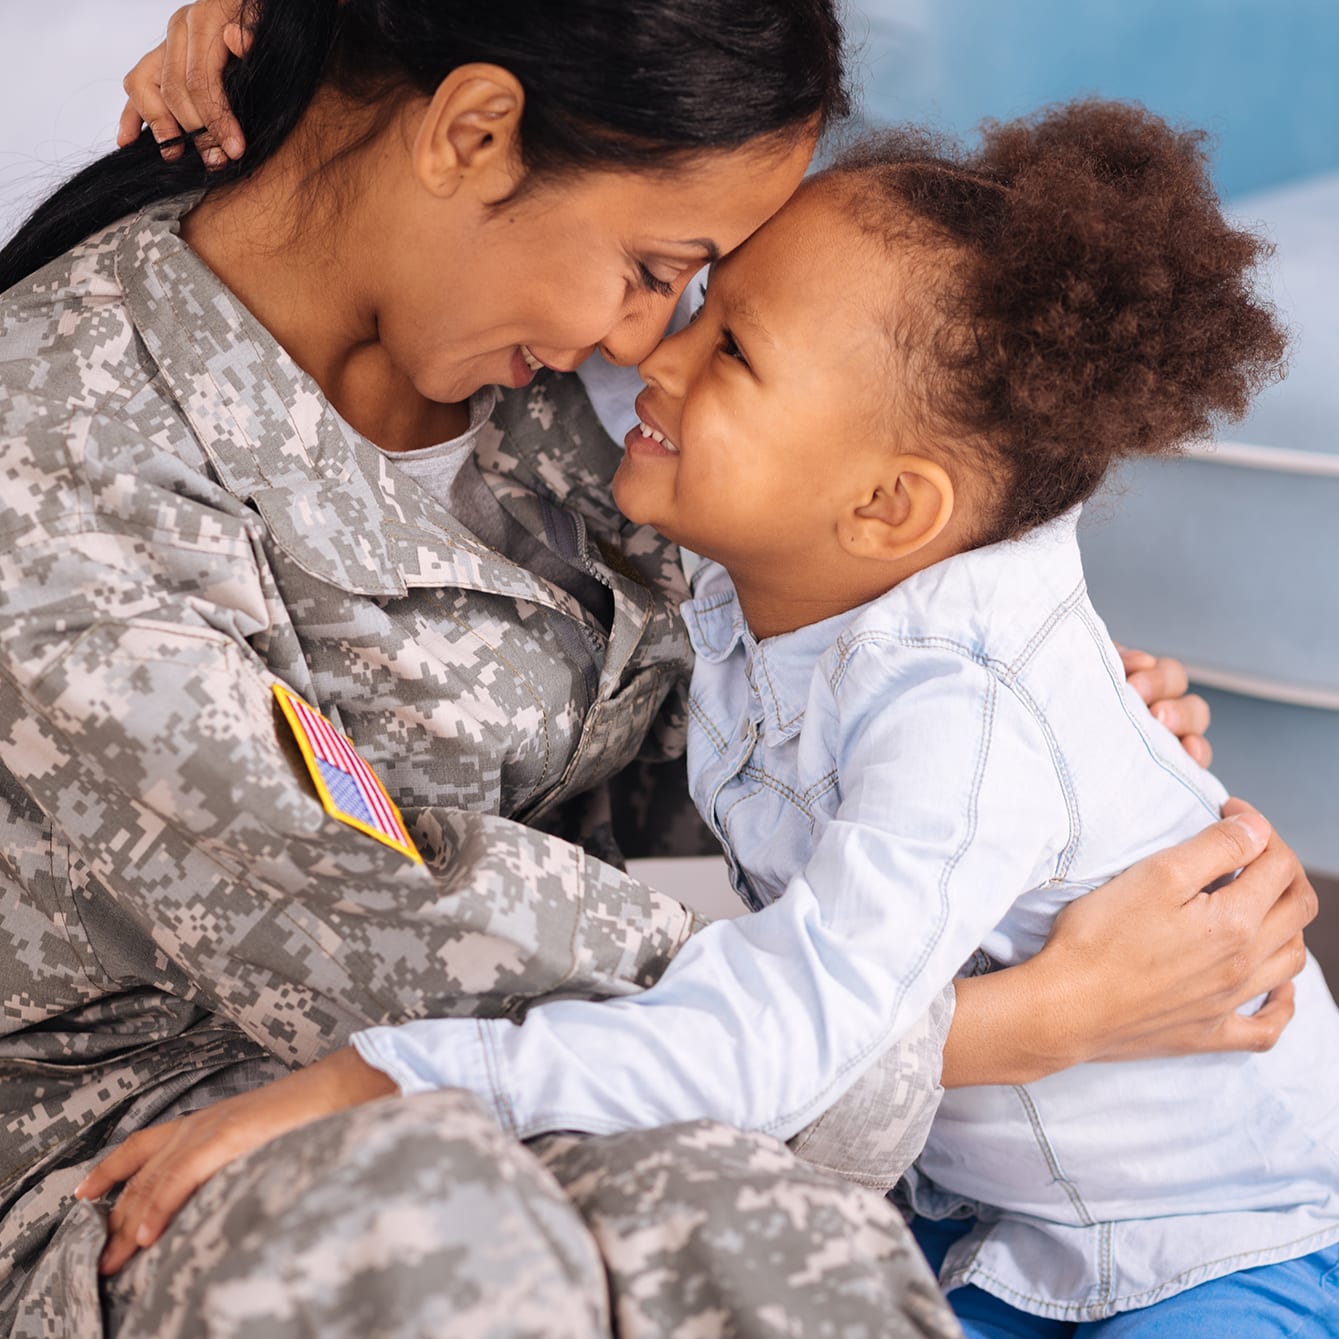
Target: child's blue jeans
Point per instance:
(1297, 1299)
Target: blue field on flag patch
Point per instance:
(345, 793)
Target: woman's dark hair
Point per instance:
(1093, 302)
(630, 84)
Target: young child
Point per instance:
(911, 732)
(910, 729)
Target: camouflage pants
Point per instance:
(417, 1216)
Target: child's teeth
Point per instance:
(657, 436)
(531, 361)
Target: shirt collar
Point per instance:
(779, 670)
(987, 599)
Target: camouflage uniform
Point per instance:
(183, 521)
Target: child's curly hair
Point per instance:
(1096, 304)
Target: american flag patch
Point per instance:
(348, 787)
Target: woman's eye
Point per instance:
(696, 312)
(653, 283)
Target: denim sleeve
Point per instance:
(951, 807)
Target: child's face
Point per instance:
(775, 399)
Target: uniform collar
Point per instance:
(333, 502)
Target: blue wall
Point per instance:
(1259, 74)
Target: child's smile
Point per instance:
(771, 428)
(747, 410)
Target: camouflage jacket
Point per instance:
(183, 521)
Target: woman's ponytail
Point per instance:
(269, 91)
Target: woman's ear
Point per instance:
(471, 132)
(907, 509)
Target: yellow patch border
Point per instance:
(286, 698)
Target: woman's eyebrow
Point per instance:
(712, 253)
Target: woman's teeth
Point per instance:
(531, 361)
(657, 437)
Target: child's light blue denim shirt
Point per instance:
(915, 784)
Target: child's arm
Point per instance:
(950, 808)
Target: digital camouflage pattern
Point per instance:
(348, 1229)
(184, 520)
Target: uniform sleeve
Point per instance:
(136, 713)
(950, 808)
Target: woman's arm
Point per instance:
(136, 715)
(1148, 964)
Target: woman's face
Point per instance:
(596, 259)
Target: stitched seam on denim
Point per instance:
(969, 1272)
(822, 786)
(945, 875)
(999, 672)
(1048, 1152)
(849, 643)
(776, 701)
(724, 835)
(1070, 851)
(708, 605)
(755, 773)
(1184, 781)
(1107, 1282)
(1281, 1253)
(717, 824)
(1054, 619)
(699, 714)
(501, 1102)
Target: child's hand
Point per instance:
(1162, 683)
(164, 1165)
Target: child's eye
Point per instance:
(653, 283)
(696, 312)
(730, 348)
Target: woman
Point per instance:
(246, 445)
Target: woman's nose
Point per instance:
(640, 330)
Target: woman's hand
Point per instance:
(164, 1165)
(178, 87)
(1162, 683)
(1148, 964)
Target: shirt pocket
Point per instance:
(611, 738)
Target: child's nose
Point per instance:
(665, 366)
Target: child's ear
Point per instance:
(908, 508)
(471, 132)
